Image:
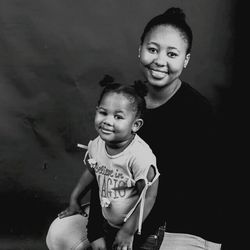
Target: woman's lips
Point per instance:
(158, 74)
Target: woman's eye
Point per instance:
(152, 50)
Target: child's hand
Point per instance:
(73, 208)
(123, 240)
(98, 244)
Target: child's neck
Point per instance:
(116, 148)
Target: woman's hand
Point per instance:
(98, 244)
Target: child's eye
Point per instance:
(172, 54)
(102, 112)
(118, 117)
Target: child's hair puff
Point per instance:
(135, 92)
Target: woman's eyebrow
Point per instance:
(154, 43)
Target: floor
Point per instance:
(23, 243)
(24, 226)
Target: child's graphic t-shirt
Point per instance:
(117, 176)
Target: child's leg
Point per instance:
(109, 234)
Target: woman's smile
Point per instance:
(158, 73)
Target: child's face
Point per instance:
(163, 55)
(115, 119)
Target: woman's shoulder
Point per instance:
(191, 96)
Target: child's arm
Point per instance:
(125, 235)
(80, 189)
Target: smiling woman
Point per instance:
(164, 52)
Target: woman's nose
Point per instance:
(161, 60)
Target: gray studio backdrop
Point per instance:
(52, 55)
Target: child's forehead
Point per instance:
(117, 100)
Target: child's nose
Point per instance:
(108, 121)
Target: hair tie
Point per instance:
(107, 79)
(176, 13)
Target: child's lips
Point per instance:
(106, 131)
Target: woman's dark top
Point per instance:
(182, 134)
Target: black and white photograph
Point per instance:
(121, 124)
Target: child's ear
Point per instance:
(137, 125)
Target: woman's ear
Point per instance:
(139, 51)
(137, 125)
(187, 58)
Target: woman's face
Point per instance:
(163, 55)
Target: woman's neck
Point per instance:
(158, 96)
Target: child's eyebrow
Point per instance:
(171, 47)
(119, 111)
(100, 107)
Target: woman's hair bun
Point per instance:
(107, 79)
(140, 88)
(175, 12)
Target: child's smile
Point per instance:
(114, 119)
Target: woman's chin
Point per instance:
(157, 83)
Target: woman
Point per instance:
(179, 126)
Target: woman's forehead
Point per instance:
(166, 35)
